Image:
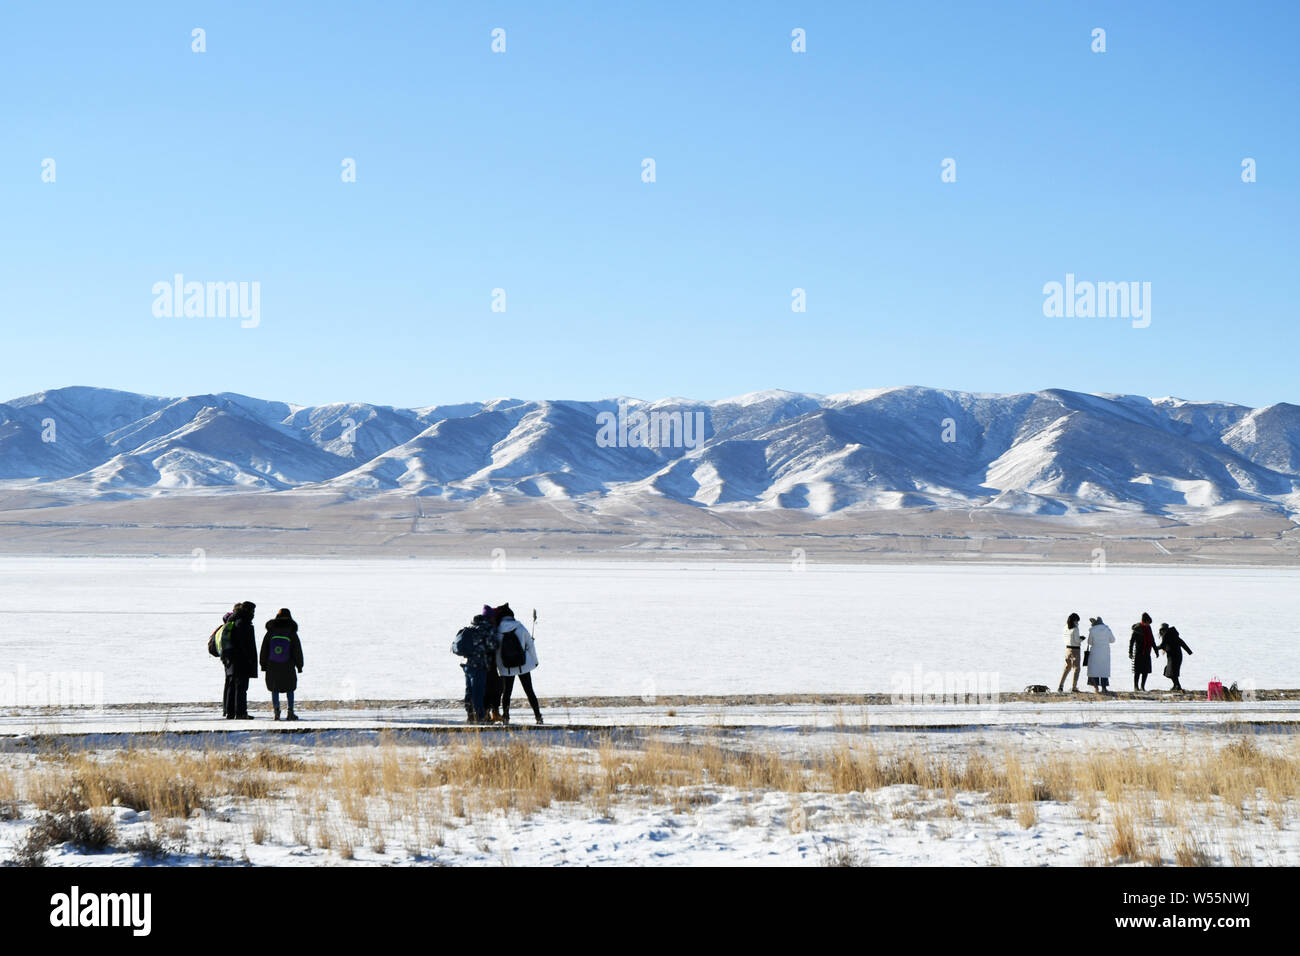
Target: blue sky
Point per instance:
(775, 170)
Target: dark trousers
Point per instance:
(508, 688)
(492, 690)
(234, 699)
(475, 683)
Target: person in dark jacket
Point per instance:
(1140, 646)
(225, 619)
(1173, 646)
(478, 645)
(281, 660)
(239, 655)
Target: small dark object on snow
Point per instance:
(1036, 689)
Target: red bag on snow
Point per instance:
(1215, 691)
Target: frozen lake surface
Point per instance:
(381, 628)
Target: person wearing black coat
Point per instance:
(281, 659)
(215, 642)
(239, 655)
(1140, 646)
(1173, 646)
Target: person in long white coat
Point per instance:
(1100, 639)
(508, 669)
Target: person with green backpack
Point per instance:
(281, 659)
(222, 636)
(238, 652)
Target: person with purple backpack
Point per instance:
(281, 659)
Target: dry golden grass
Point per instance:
(1021, 790)
(8, 796)
(8, 786)
(1143, 802)
(512, 775)
(170, 783)
(1124, 845)
(261, 829)
(1190, 849)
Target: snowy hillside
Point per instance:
(1048, 452)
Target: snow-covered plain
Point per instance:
(381, 628)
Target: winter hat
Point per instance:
(284, 615)
(1146, 618)
(504, 612)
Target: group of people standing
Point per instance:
(280, 659)
(1095, 657)
(497, 649)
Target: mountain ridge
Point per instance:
(1048, 452)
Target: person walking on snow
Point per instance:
(1140, 646)
(516, 657)
(1072, 653)
(1173, 646)
(1100, 639)
(281, 659)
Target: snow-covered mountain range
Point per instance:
(1048, 452)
